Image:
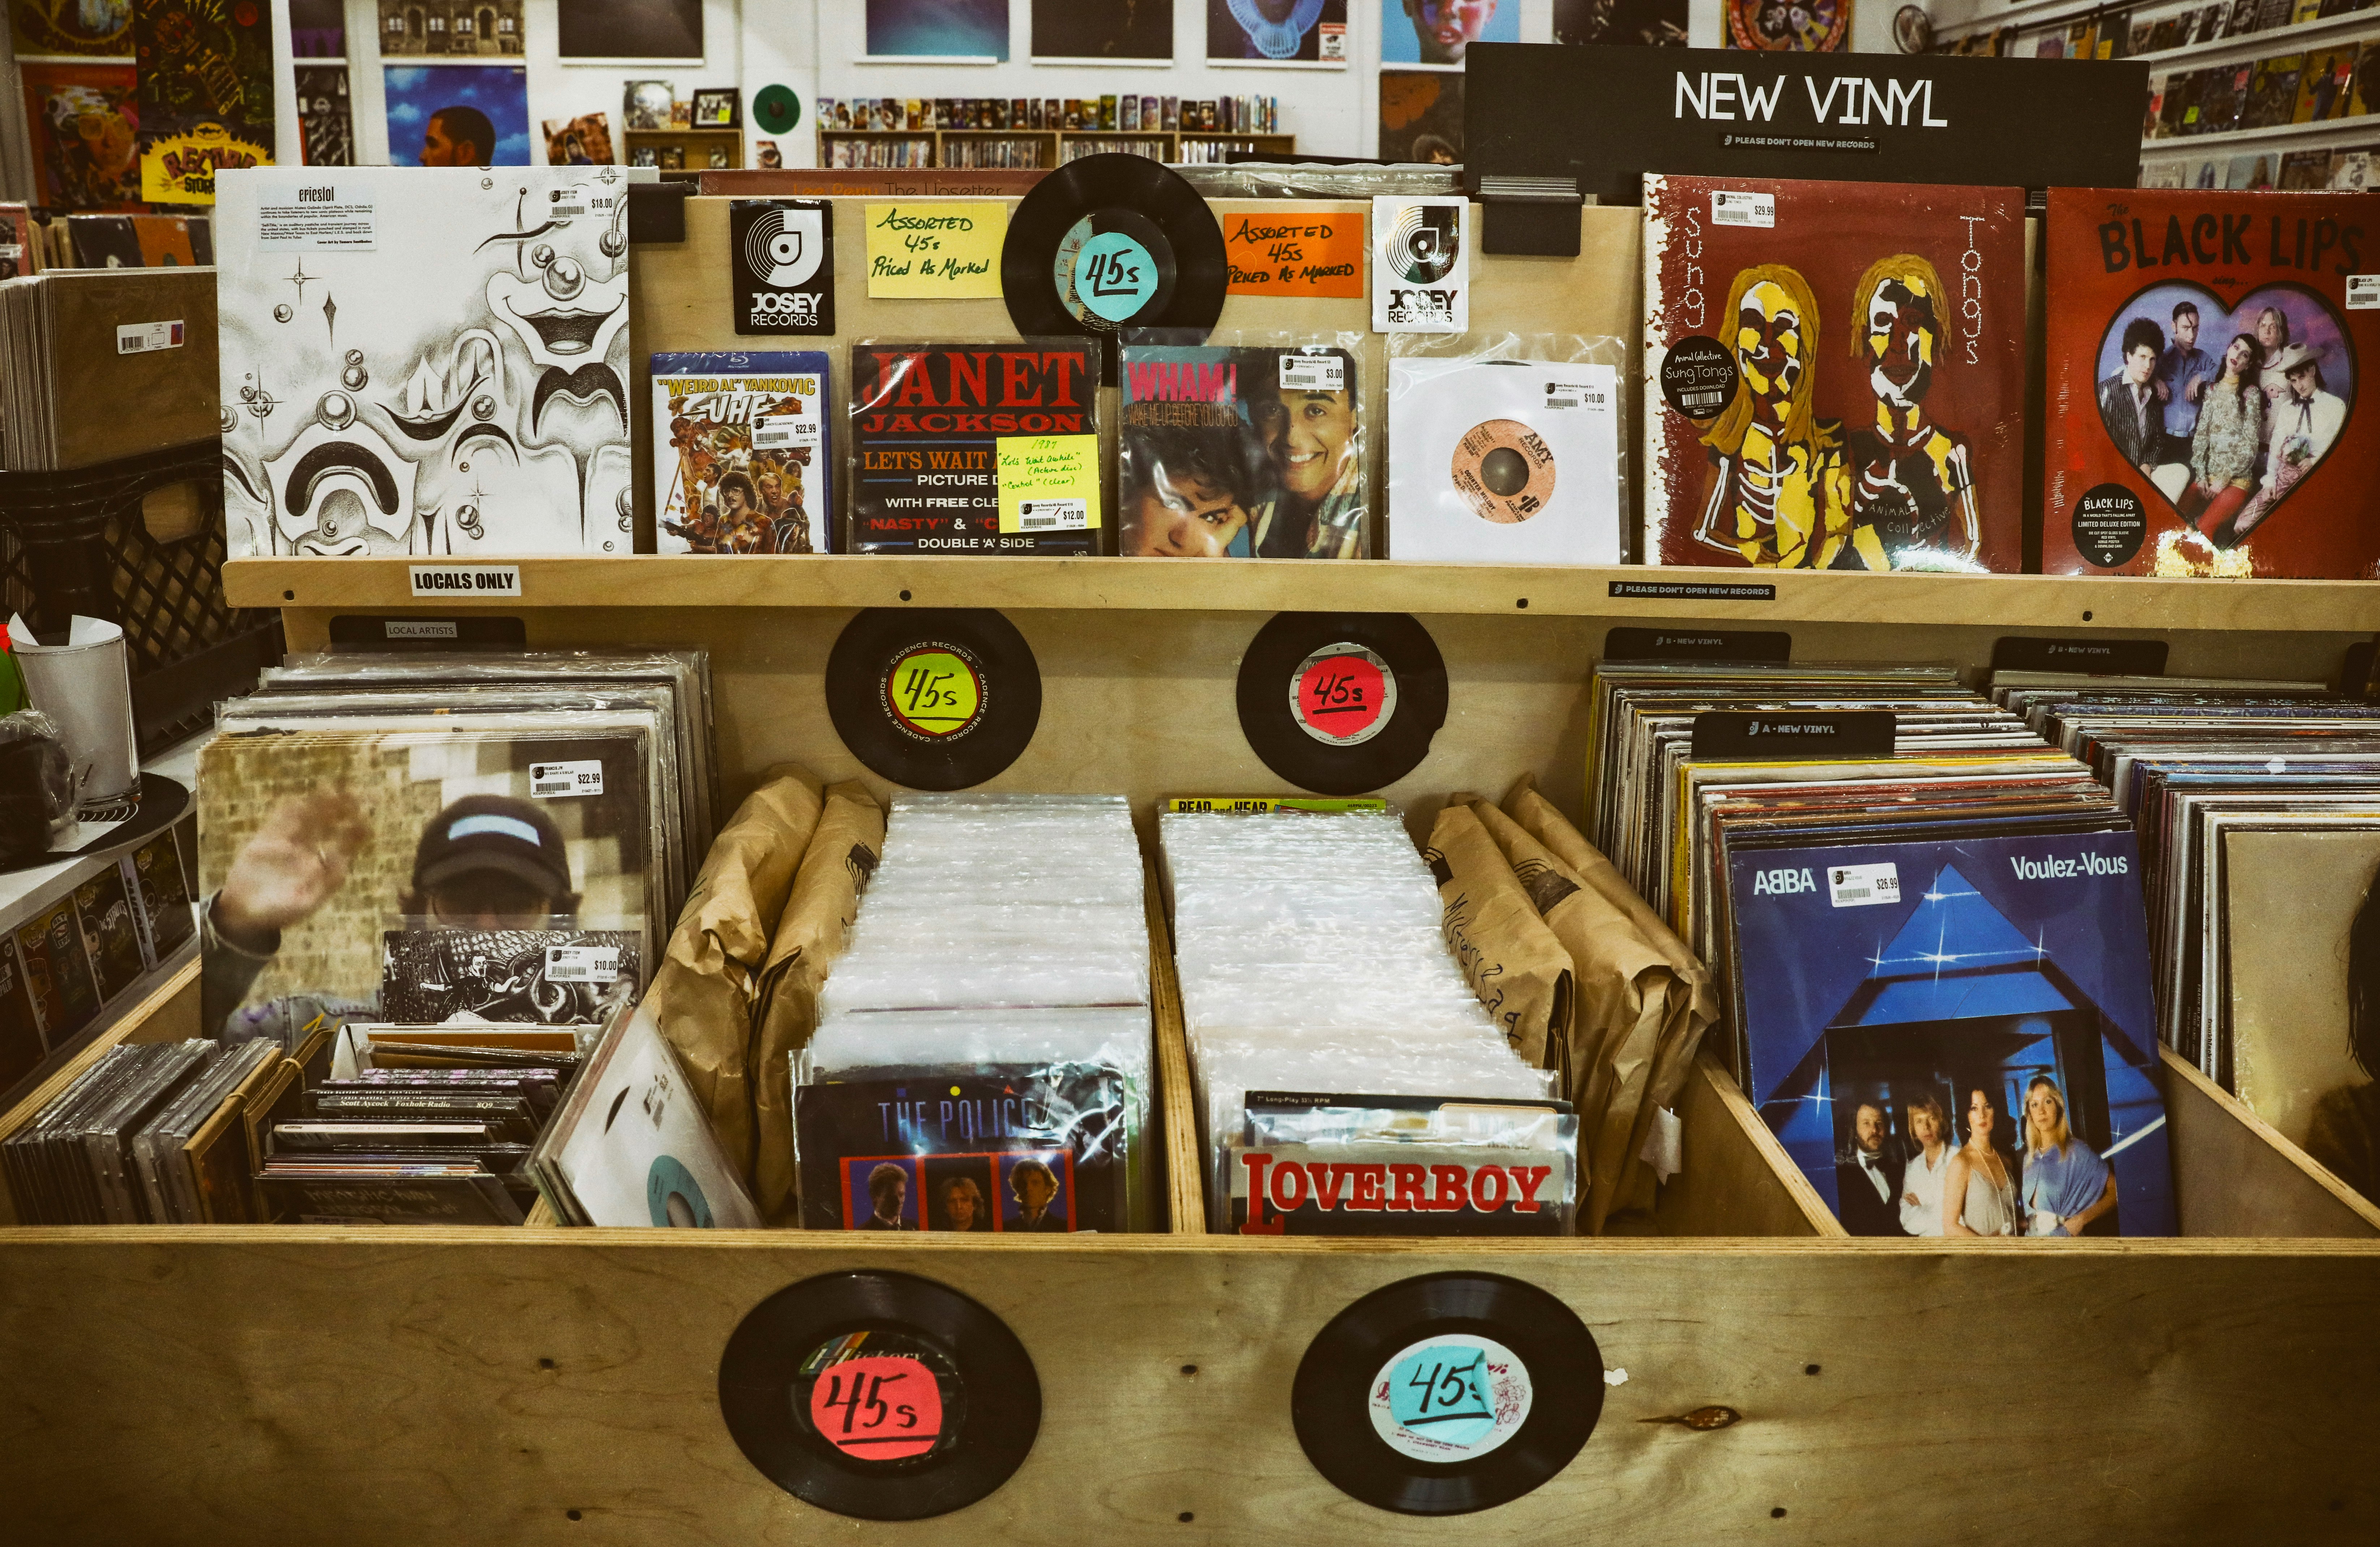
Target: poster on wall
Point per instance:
(642, 29)
(1438, 32)
(585, 140)
(1651, 23)
(85, 135)
(457, 116)
(87, 29)
(1421, 116)
(1103, 28)
(326, 121)
(318, 29)
(1789, 26)
(1277, 32)
(205, 93)
(450, 28)
(937, 29)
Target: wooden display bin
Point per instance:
(544, 1385)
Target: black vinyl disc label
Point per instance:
(2110, 524)
(1341, 703)
(934, 698)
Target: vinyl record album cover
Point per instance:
(95, 28)
(1971, 1011)
(2203, 356)
(1102, 29)
(1834, 375)
(426, 362)
(110, 932)
(21, 1034)
(1277, 32)
(483, 28)
(85, 129)
(1421, 116)
(1241, 452)
(57, 971)
(740, 453)
(327, 123)
(1504, 462)
(1439, 32)
(975, 448)
(550, 976)
(205, 90)
(456, 115)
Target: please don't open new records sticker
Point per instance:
(934, 698)
(1341, 703)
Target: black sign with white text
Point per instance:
(783, 254)
(1846, 734)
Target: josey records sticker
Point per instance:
(878, 1397)
(1343, 694)
(1449, 1399)
(934, 691)
(1864, 885)
(1698, 376)
(1421, 265)
(784, 256)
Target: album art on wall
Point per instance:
(2203, 373)
(92, 29)
(647, 104)
(1651, 23)
(85, 131)
(1277, 32)
(318, 29)
(585, 140)
(1964, 1023)
(1438, 33)
(1102, 29)
(1421, 116)
(937, 29)
(457, 386)
(457, 116)
(1795, 26)
(1241, 452)
(1834, 375)
(739, 454)
(603, 31)
(327, 123)
(205, 91)
(450, 28)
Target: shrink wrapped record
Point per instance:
(937, 699)
(879, 1396)
(1504, 462)
(1109, 242)
(1447, 1394)
(1340, 703)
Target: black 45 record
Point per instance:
(879, 1396)
(1111, 242)
(937, 698)
(1447, 1394)
(1340, 703)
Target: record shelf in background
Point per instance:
(699, 150)
(1035, 148)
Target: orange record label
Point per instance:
(1295, 250)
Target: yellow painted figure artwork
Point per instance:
(1912, 486)
(1780, 493)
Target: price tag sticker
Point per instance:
(549, 782)
(1313, 373)
(1450, 1398)
(1049, 483)
(777, 432)
(1743, 209)
(1343, 694)
(2363, 292)
(582, 963)
(1864, 885)
(147, 338)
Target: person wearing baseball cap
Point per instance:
(485, 861)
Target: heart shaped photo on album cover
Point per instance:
(2225, 407)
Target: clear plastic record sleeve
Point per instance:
(1404, 1165)
(631, 1144)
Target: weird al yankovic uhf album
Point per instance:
(425, 361)
(1834, 375)
(739, 454)
(2202, 385)
(976, 448)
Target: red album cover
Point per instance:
(2201, 384)
(1834, 375)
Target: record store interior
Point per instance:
(1638, 806)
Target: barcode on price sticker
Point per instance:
(1313, 373)
(2363, 292)
(1054, 515)
(1694, 401)
(549, 781)
(581, 963)
(1864, 885)
(140, 338)
(1743, 209)
(783, 431)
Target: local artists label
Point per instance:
(1450, 1398)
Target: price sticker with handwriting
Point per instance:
(1450, 1398)
(1343, 694)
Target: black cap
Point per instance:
(492, 834)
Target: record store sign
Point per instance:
(1604, 118)
(936, 251)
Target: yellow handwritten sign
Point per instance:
(944, 251)
(1049, 483)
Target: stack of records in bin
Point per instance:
(2257, 806)
(1384, 1102)
(97, 363)
(128, 1141)
(983, 1060)
(1928, 929)
(632, 1146)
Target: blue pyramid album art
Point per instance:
(1957, 1037)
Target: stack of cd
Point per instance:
(1311, 963)
(110, 1149)
(983, 1056)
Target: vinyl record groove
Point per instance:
(1341, 703)
(938, 699)
(1447, 1394)
(879, 1396)
(1111, 242)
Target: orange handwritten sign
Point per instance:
(1295, 250)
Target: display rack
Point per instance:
(698, 144)
(1765, 1375)
(1056, 146)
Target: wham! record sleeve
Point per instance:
(2203, 370)
(1241, 452)
(425, 360)
(1834, 375)
(1906, 1005)
(740, 453)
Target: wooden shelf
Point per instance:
(2108, 604)
(681, 134)
(2273, 41)
(2364, 127)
